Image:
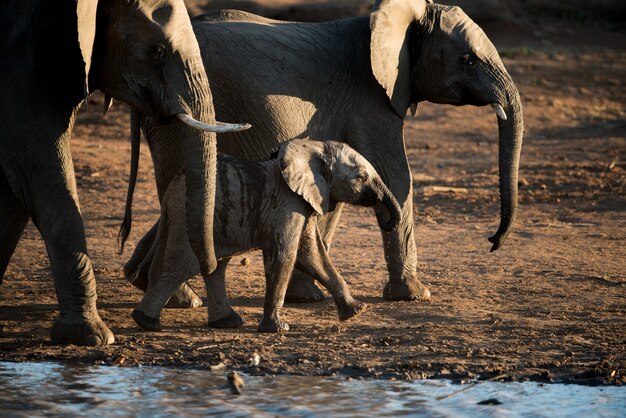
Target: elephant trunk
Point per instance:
(388, 201)
(511, 131)
(199, 151)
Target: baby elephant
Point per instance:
(269, 205)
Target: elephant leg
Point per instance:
(313, 258)
(399, 247)
(45, 183)
(279, 259)
(137, 268)
(302, 287)
(13, 220)
(221, 314)
(169, 262)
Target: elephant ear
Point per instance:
(390, 23)
(86, 24)
(305, 168)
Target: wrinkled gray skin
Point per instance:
(143, 53)
(352, 79)
(271, 205)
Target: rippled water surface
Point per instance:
(36, 389)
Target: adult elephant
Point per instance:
(352, 79)
(142, 52)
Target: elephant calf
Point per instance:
(269, 205)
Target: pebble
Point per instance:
(492, 401)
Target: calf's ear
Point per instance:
(304, 167)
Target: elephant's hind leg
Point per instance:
(221, 314)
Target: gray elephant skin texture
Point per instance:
(270, 205)
(54, 53)
(352, 79)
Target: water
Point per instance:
(51, 389)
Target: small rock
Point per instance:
(255, 360)
(120, 360)
(235, 382)
(335, 328)
(245, 261)
(492, 401)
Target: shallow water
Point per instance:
(36, 389)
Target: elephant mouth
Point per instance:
(368, 199)
(469, 98)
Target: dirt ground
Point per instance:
(550, 305)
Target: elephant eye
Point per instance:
(468, 60)
(157, 53)
(361, 178)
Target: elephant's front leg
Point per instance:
(279, 258)
(399, 245)
(13, 220)
(47, 186)
(302, 287)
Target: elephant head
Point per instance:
(145, 54)
(325, 173)
(424, 51)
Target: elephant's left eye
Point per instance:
(468, 60)
(157, 53)
(361, 178)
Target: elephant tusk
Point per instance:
(219, 127)
(108, 101)
(499, 111)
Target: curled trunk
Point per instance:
(389, 202)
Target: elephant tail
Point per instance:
(135, 132)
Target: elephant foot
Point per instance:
(413, 290)
(184, 298)
(232, 320)
(273, 325)
(146, 322)
(351, 310)
(79, 329)
(302, 289)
